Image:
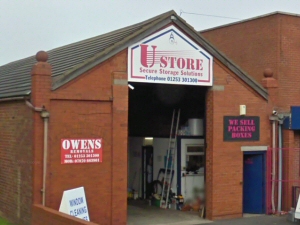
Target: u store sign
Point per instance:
(169, 57)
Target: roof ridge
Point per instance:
(64, 79)
(229, 63)
(111, 32)
(92, 38)
(250, 19)
(17, 61)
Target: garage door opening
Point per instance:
(151, 108)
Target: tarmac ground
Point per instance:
(141, 213)
(256, 220)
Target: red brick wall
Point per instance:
(92, 106)
(119, 150)
(271, 41)
(46, 216)
(289, 68)
(225, 159)
(288, 167)
(252, 45)
(209, 154)
(16, 161)
(96, 104)
(291, 166)
(40, 94)
(75, 116)
(81, 119)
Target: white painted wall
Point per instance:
(134, 162)
(160, 146)
(189, 182)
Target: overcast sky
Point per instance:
(27, 26)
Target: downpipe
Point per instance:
(279, 164)
(273, 163)
(45, 116)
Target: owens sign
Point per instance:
(169, 57)
(81, 151)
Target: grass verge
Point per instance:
(4, 222)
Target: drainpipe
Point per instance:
(45, 115)
(279, 163)
(36, 109)
(273, 161)
(271, 84)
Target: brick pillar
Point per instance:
(209, 156)
(40, 98)
(290, 168)
(270, 83)
(119, 148)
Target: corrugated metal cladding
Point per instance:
(15, 77)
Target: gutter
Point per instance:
(12, 99)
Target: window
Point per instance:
(195, 159)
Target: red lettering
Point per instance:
(199, 64)
(163, 62)
(241, 135)
(172, 59)
(190, 64)
(247, 122)
(144, 55)
(171, 62)
(180, 63)
(233, 122)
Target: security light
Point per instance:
(130, 86)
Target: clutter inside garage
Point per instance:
(166, 152)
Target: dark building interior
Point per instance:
(151, 107)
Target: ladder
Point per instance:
(170, 153)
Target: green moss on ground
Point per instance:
(4, 222)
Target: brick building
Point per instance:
(80, 91)
(269, 41)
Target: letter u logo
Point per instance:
(145, 54)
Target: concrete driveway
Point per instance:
(140, 213)
(256, 220)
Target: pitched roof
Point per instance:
(70, 61)
(252, 18)
(15, 79)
